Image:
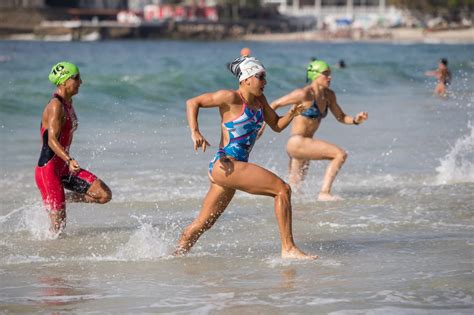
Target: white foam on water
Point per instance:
(147, 243)
(33, 218)
(25, 259)
(274, 262)
(458, 165)
(391, 310)
(324, 301)
(453, 298)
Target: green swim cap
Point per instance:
(62, 71)
(315, 68)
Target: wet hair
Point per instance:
(342, 63)
(444, 61)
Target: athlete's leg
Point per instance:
(298, 169)
(314, 149)
(256, 180)
(86, 187)
(440, 89)
(98, 192)
(214, 204)
(52, 193)
(58, 220)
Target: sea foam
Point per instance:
(458, 164)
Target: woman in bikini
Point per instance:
(243, 112)
(443, 76)
(317, 99)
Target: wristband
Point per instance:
(354, 122)
(69, 161)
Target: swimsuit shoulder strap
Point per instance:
(315, 103)
(62, 100)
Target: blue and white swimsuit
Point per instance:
(243, 132)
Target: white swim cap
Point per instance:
(245, 67)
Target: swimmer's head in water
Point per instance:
(245, 67)
(444, 61)
(315, 68)
(245, 52)
(62, 71)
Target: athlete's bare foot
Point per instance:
(323, 196)
(180, 251)
(58, 222)
(296, 253)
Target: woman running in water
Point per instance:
(243, 112)
(317, 99)
(56, 168)
(443, 76)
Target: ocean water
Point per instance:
(401, 241)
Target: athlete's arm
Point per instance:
(206, 100)
(336, 110)
(278, 123)
(55, 113)
(295, 97)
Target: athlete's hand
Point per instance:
(361, 117)
(199, 141)
(295, 110)
(73, 166)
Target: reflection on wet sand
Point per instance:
(288, 276)
(56, 291)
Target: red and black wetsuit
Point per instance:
(52, 173)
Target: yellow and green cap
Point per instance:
(315, 68)
(62, 71)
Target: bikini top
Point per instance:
(313, 111)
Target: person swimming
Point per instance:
(341, 64)
(242, 112)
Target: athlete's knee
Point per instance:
(105, 195)
(284, 190)
(341, 156)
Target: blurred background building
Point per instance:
(340, 18)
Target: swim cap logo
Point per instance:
(252, 69)
(245, 67)
(58, 68)
(315, 68)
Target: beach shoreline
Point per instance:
(404, 35)
(398, 35)
(55, 25)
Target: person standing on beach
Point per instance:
(443, 76)
(56, 168)
(317, 99)
(243, 112)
